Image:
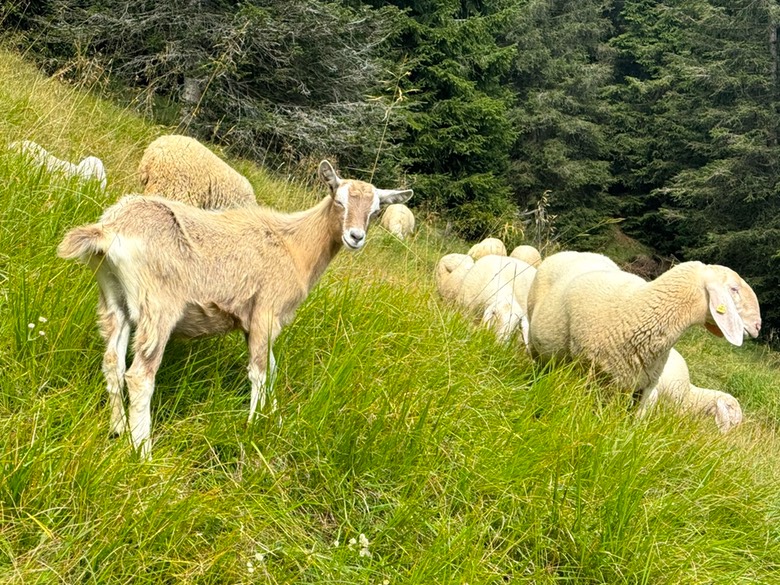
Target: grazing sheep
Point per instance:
(90, 168)
(497, 287)
(582, 306)
(450, 272)
(181, 168)
(398, 219)
(527, 254)
(488, 246)
(674, 387)
(165, 267)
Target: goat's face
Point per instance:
(356, 202)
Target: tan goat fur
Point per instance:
(165, 268)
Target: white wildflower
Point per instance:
(386, 582)
(259, 557)
(352, 542)
(364, 552)
(31, 326)
(250, 567)
(363, 540)
(336, 543)
(41, 333)
(42, 319)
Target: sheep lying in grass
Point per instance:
(451, 269)
(527, 254)
(89, 169)
(496, 287)
(487, 247)
(181, 168)
(398, 219)
(583, 306)
(674, 387)
(165, 268)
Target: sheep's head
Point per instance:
(733, 306)
(356, 202)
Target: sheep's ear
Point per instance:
(329, 176)
(390, 196)
(725, 313)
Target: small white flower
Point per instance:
(41, 333)
(336, 542)
(364, 552)
(250, 567)
(363, 540)
(259, 557)
(31, 326)
(352, 542)
(42, 319)
(386, 582)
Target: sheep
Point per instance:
(497, 287)
(398, 219)
(527, 254)
(165, 267)
(674, 387)
(488, 246)
(181, 168)
(90, 168)
(450, 272)
(583, 306)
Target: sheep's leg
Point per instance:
(261, 358)
(149, 344)
(115, 329)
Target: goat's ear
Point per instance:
(724, 312)
(389, 196)
(329, 176)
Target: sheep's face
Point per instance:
(734, 309)
(356, 202)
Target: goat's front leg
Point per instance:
(261, 361)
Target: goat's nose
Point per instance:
(357, 235)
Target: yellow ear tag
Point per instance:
(721, 309)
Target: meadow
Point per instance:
(408, 447)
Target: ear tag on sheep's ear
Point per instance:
(721, 309)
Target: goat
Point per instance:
(165, 267)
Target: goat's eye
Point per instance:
(338, 203)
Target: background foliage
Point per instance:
(653, 120)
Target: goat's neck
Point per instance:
(314, 236)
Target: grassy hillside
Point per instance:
(456, 458)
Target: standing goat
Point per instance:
(166, 268)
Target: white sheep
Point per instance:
(582, 306)
(398, 219)
(527, 254)
(497, 288)
(450, 271)
(89, 169)
(674, 388)
(181, 168)
(165, 267)
(488, 246)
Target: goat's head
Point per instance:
(357, 202)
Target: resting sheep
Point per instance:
(164, 267)
(497, 288)
(450, 272)
(488, 246)
(582, 306)
(674, 387)
(527, 254)
(89, 169)
(398, 219)
(181, 168)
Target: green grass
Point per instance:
(457, 458)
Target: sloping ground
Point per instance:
(456, 458)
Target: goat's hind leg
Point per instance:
(262, 364)
(115, 329)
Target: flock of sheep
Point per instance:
(582, 306)
(196, 255)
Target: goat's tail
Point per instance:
(83, 243)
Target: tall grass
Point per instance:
(456, 458)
